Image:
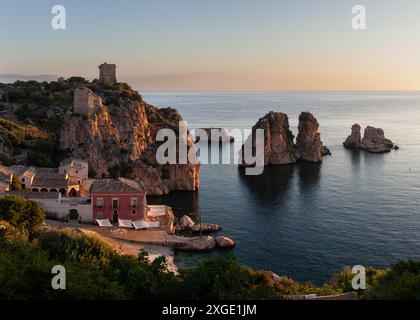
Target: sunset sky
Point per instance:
(217, 44)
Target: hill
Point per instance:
(38, 126)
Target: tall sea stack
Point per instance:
(278, 139)
(308, 142)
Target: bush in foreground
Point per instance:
(21, 213)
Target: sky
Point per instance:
(217, 44)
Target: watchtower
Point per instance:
(107, 74)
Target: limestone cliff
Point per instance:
(308, 142)
(109, 125)
(120, 140)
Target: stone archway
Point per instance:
(35, 190)
(53, 190)
(44, 190)
(72, 192)
(63, 192)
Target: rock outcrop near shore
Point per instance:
(278, 139)
(354, 140)
(308, 142)
(373, 141)
(187, 224)
(206, 243)
(225, 242)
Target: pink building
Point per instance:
(115, 199)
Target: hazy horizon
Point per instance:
(186, 45)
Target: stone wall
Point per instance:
(75, 172)
(62, 209)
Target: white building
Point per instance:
(75, 169)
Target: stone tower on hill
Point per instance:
(107, 74)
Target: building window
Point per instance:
(23, 179)
(133, 212)
(100, 203)
(100, 215)
(133, 203)
(115, 204)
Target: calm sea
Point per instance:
(307, 221)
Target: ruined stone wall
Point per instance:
(85, 101)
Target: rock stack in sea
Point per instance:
(279, 147)
(278, 139)
(354, 140)
(308, 142)
(373, 141)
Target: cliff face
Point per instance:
(120, 140)
(278, 139)
(111, 126)
(308, 142)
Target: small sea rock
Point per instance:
(225, 242)
(192, 244)
(186, 222)
(206, 227)
(326, 151)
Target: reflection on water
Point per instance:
(272, 184)
(182, 202)
(309, 175)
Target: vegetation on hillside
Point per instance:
(95, 271)
(32, 116)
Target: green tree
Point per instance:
(21, 213)
(400, 282)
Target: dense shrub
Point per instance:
(11, 233)
(400, 282)
(21, 213)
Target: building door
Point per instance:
(115, 216)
